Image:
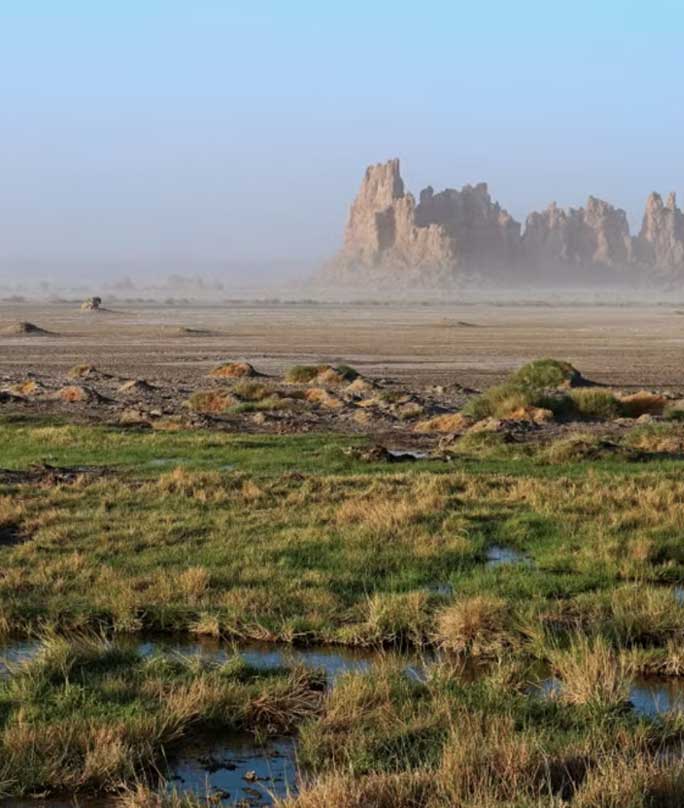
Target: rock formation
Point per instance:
(571, 242)
(445, 231)
(661, 240)
(458, 234)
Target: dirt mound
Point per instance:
(84, 371)
(134, 417)
(322, 398)
(642, 403)
(77, 394)
(233, 370)
(134, 386)
(29, 387)
(23, 329)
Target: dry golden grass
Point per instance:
(233, 370)
(193, 584)
(211, 401)
(632, 780)
(536, 415)
(487, 762)
(383, 514)
(451, 422)
(82, 371)
(642, 403)
(401, 618)
(27, 388)
(322, 398)
(667, 438)
(477, 625)
(404, 790)
(592, 672)
(207, 625)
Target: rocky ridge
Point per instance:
(455, 235)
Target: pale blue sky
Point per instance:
(155, 130)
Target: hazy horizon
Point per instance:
(169, 137)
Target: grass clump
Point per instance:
(541, 384)
(592, 673)
(478, 625)
(267, 404)
(251, 391)
(322, 374)
(546, 373)
(504, 400)
(660, 438)
(233, 370)
(211, 401)
(591, 402)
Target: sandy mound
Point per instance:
(27, 388)
(134, 386)
(76, 394)
(321, 397)
(233, 370)
(22, 329)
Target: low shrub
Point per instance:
(595, 403)
(546, 373)
(211, 401)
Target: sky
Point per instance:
(171, 133)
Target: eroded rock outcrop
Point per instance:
(661, 240)
(579, 239)
(452, 230)
(459, 234)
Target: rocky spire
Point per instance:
(464, 231)
(577, 239)
(661, 240)
(458, 229)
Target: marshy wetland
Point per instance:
(315, 585)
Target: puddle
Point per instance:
(649, 697)
(165, 461)
(236, 770)
(653, 697)
(679, 594)
(498, 556)
(14, 653)
(230, 771)
(443, 589)
(401, 455)
(334, 661)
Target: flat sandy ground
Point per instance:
(474, 345)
